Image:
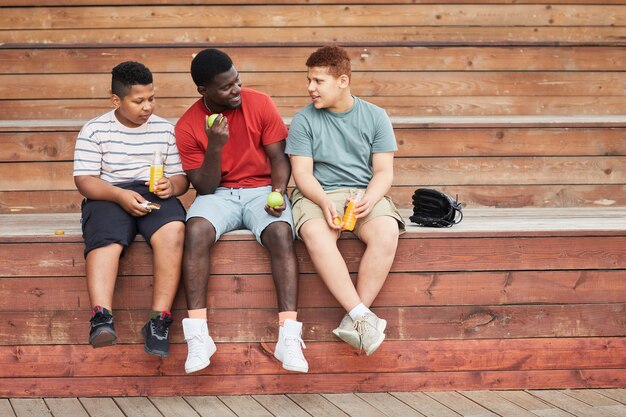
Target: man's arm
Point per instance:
(208, 177)
(281, 171)
(281, 168)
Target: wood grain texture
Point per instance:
(472, 196)
(376, 15)
(498, 253)
(303, 383)
(400, 290)
(413, 172)
(95, 59)
(363, 84)
(404, 323)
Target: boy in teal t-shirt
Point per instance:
(341, 146)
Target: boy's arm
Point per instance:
(94, 188)
(379, 185)
(179, 184)
(173, 186)
(309, 186)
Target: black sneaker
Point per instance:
(102, 332)
(157, 335)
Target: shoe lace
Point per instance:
(361, 326)
(194, 345)
(160, 327)
(293, 345)
(99, 318)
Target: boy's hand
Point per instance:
(330, 213)
(217, 133)
(131, 201)
(363, 207)
(163, 188)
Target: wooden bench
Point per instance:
(509, 298)
(517, 108)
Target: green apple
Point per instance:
(275, 199)
(211, 119)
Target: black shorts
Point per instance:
(105, 222)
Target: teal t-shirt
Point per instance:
(341, 144)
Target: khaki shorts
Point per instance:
(304, 209)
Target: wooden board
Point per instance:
(94, 59)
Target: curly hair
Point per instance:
(207, 64)
(333, 57)
(127, 74)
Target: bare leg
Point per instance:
(380, 236)
(321, 243)
(199, 237)
(101, 267)
(277, 238)
(167, 245)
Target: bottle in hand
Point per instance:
(156, 170)
(349, 217)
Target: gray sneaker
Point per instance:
(372, 331)
(348, 333)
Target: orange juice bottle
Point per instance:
(156, 170)
(349, 217)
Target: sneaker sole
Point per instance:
(291, 367)
(296, 368)
(352, 338)
(212, 350)
(161, 353)
(102, 338)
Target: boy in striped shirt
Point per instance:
(112, 162)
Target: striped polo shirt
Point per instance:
(119, 154)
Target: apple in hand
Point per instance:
(275, 199)
(211, 119)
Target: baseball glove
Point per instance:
(432, 208)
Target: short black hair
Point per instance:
(207, 64)
(127, 74)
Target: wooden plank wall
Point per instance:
(470, 311)
(507, 103)
(510, 70)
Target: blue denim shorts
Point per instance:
(238, 208)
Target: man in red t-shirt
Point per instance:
(234, 161)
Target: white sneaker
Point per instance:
(348, 333)
(289, 347)
(200, 346)
(372, 331)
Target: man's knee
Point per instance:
(277, 235)
(199, 232)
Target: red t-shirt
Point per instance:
(254, 124)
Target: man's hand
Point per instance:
(276, 211)
(217, 133)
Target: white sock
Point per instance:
(359, 310)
